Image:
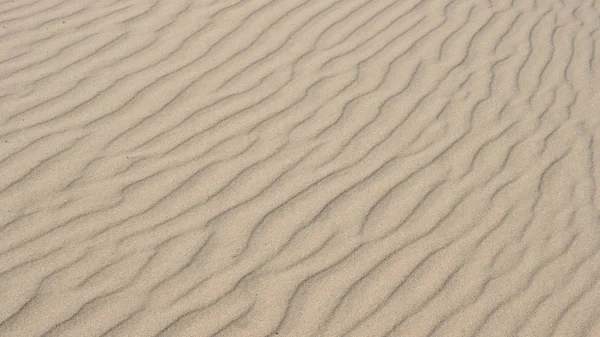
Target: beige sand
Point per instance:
(299, 168)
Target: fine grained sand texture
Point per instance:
(299, 168)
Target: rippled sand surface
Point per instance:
(304, 168)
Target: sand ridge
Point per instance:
(299, 168)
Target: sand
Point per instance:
(299, 168)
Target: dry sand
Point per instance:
(299, 168)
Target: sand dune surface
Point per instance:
(299, 168)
